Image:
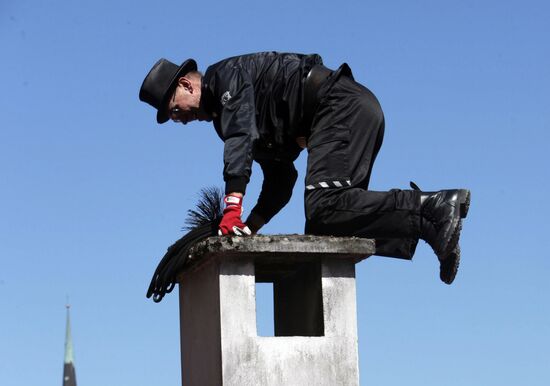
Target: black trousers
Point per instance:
(346, 135)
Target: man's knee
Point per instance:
(320, 205)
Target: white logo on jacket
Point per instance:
(225, 98)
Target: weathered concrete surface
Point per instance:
(200, 327)
(220, 344)
(293, 247)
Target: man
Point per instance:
(267, 107)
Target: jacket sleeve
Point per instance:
(279, 180)
(237, 128)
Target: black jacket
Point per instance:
(256, 102)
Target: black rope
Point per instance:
(202, 222)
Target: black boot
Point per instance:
(441, 224)
(441, 218)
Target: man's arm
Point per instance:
(238, 130)
(279, 180)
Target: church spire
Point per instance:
(69, 375)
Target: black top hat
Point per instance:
(160, 82)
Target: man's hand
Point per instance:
(231, 222)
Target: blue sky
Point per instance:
(93, 190)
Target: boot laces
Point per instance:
(426, 214)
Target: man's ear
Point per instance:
(186, 83)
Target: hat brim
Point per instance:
(187, 66)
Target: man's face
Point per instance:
(184, 105)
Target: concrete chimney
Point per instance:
(315, 340)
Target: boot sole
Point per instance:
(449, 267)
(463, 208)
(464, 200)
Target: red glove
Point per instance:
(231, 222)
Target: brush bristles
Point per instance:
(208, 209)
(201, 223)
